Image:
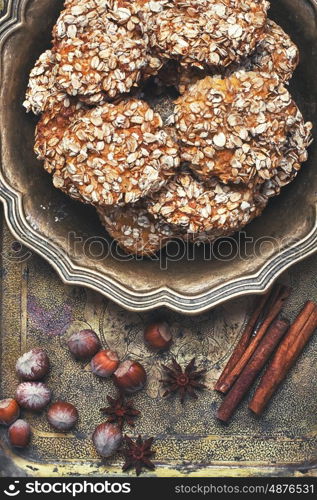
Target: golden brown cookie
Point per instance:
(99, 61)
(113, 154)
(42, 93)
(295, 154)
(191, 207)
(237, 128)
(50, 131)
(276, 53)
(207, 32)
(101, 49)
(135, 230)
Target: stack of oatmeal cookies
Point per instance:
(232, 138)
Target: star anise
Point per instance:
(183, 382)
(137, 454)
(120, 411)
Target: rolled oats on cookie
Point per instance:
(42, 92)
(101, 48)
(114, 153)
(192, 207)
(135, 230)
(208, 32)
(237, 128)
(171, 117)
(276, 53)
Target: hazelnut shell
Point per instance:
(130, 376)
(33, 396)
(33, 365)
(19, 433)
(104, 363)
(158, 335)
(84, 344)
(9, 411)
(62, 416)
(107, 439)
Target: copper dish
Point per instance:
(48, 222)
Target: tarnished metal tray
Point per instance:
(38, 310)
(48, 222)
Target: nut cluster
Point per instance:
(34, 396)
(197, 166)
(129, 377)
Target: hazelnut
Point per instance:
(9, 411)
(105, 363)
(84, 344)
(158, 335)
(62, 416)
(19, 433)
(130, 376)
(33, 365)
(33, 395)
(107, 439)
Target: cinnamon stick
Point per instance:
(277, 301)
(252, 369)
(244, 341)
(285, 356)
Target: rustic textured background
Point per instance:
(37, 309)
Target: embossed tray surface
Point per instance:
(48, 221)
(38, 310)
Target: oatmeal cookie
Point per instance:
(50, 131)
(80, 16)
(236, 128)
(58, 110)
(101, 49)
(135, 230)
(276, 53)
(191, 207)
(158, 166)
(208, 32)
(114, 153)
(42, 93)
(99, 61)
(295, 154)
